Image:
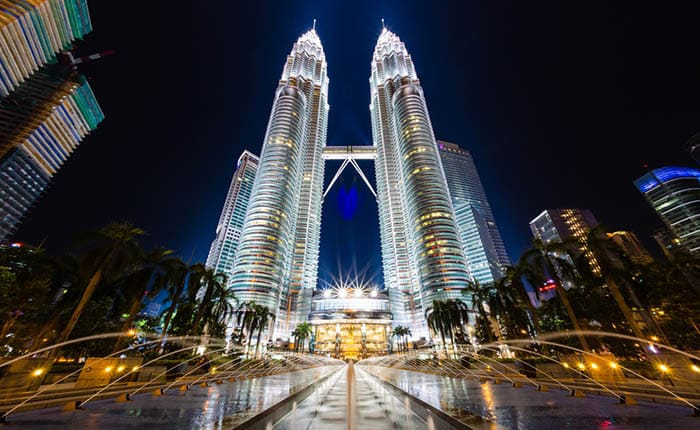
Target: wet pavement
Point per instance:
(213, 407)
(370, 406)
(526, 408)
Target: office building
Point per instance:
(277, 258)
(557, 225)
(483, 245)
(33, 32)
(41, 123)
(423, 257)
(228, 230)
(674, 193)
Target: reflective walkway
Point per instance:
(351, 399)
(526, 408)
(213, 407)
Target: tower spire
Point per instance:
(383, 26)
(314, 26)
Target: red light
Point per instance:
(548, 286)
(16, 245)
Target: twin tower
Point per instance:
(276, 262)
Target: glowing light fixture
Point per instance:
(120, 369)
(38, 372)
(613, 365)
(108, 369)
(581, 366)
(664, 368)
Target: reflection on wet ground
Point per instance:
(371, 406)
(526, 408)
(215, 406)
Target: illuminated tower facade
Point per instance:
(277, 258)
(42, 122)
(228, 230)
(483, 246)
(674, 193)
(422, 253)
(33, 32)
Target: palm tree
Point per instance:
(296, 335)
(222, 308)
(444, 317)
(547, 261)
(607, 262)
(508, 310)
(115, 249)
(181, 276)
(480, 295)
(211, 282)
(302, 332)
(153, 274)
(247, 321)
(264, 318)
(513, 281)
(398, 333)
(407, 333)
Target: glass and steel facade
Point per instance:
(41, 123)
(674, 193)
(422, 253)
(556, 225)
(483, 245)
(33, 32)
(228, 230)
(277, 258)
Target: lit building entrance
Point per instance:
(351, 323)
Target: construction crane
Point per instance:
(70, 60)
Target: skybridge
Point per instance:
(350, 155)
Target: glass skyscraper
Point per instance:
(228, 230)
(33, 32)
(483, 245)
(277, 258)
(276, 261)
(556, 225)
(422, 252)
(41, 123)
(674, 193)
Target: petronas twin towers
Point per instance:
(276, 262)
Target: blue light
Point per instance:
(347, 202)
(664, 174)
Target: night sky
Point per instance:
(560, 104)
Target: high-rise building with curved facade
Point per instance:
(674, 193)
(422, 253)
(228, 230)
(277, 256)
